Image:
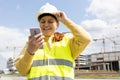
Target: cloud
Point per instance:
(108, 10)
(94, 25)
(11, 38)
(100, 30)
(103, 25)
(107, 21)
(12, 41)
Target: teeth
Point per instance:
(46, 28)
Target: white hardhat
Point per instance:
(47, 8)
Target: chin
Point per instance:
(47, 35)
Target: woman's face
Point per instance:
(48, 25)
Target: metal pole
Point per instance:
(104, 45)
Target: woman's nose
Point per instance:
(46, 24)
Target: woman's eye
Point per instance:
(50, 21)
(42, 22)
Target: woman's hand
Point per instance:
(61, 16)
(34, 43)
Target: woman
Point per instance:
(55, 61)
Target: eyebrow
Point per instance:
(48, 19)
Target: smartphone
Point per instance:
(34, 31)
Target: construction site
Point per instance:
(103, 64)
(100, 63)
(108, 61)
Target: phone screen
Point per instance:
(34, 31)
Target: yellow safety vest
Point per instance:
(56, 63)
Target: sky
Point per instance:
(99, 17)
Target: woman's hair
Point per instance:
(47, 14)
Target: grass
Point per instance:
(97, 75)
(10, 75)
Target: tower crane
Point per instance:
(109, 38)
(103, 42)
(114, 42)
(14, 50)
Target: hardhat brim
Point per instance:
(40, 14)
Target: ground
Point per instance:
(97, 74)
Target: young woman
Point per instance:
(55, 61)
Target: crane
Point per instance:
(109, 38)
(14, 50)
(114, 42)
(103, 42)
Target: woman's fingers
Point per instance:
(61, 16)
(35, 42)
(39, 38)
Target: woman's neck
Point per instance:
(48, 38)
(48, 41)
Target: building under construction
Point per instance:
(109, 61)
(104, 60)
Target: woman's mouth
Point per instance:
(47, 28)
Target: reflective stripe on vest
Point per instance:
(52, 62)
(51, 78)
